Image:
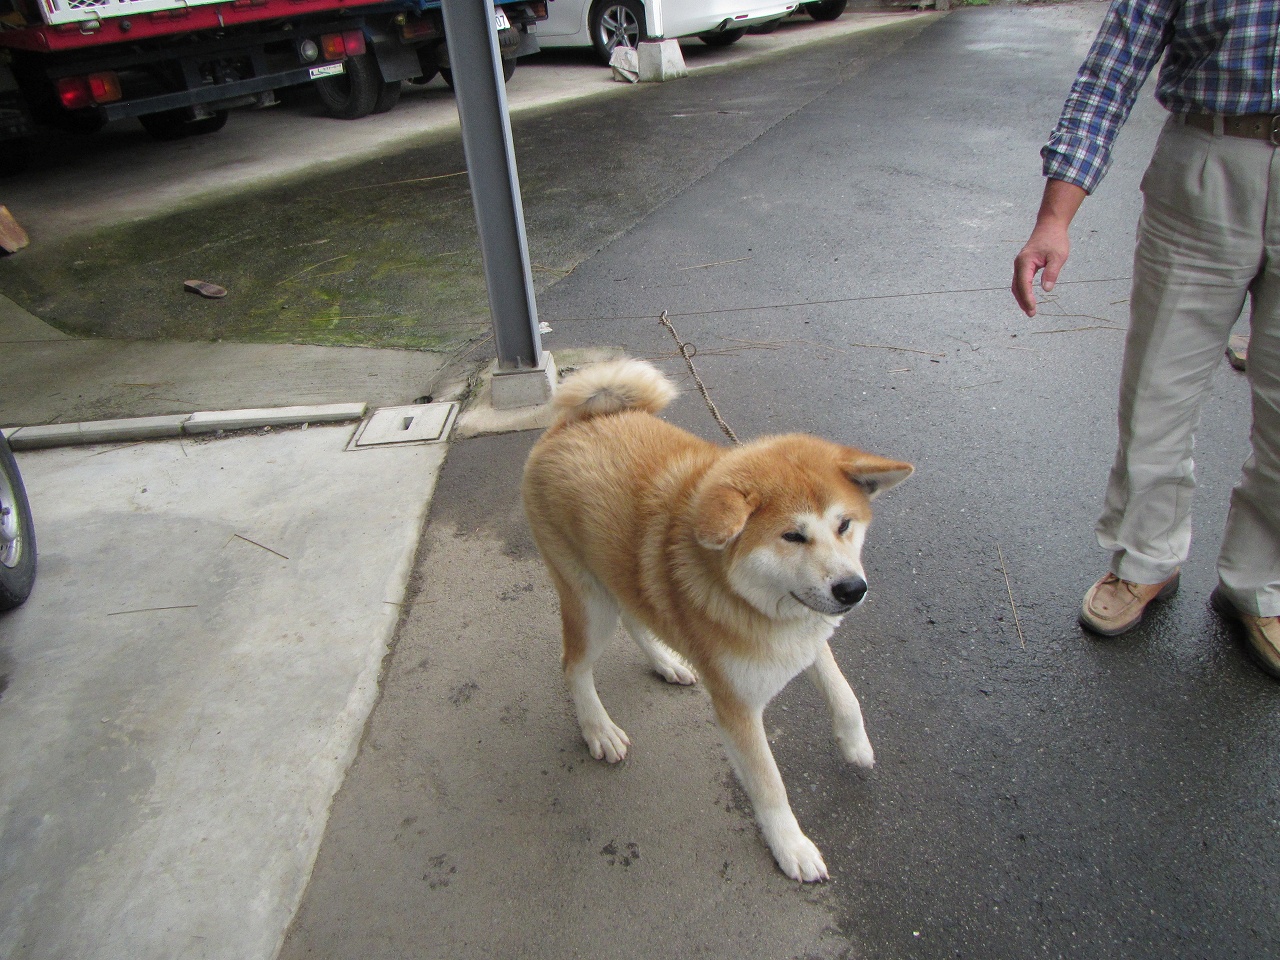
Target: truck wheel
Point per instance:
(388, 97)
(211, 124)
(17, 536)
(825, 9)
(177, 124)
(724, 38)
(15, 157)
(353, 94)
(615, 22)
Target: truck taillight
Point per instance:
(335, 46)
(76, 93)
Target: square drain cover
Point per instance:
(424, 423)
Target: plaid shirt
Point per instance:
(1220, 56)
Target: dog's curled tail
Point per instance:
(612, 387)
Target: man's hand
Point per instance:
(1049, 244)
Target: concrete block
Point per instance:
(211, 422)
(97, 431)
(513, 389)
(661, 60)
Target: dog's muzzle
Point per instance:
(836, 600)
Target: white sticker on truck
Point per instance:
(327, 70)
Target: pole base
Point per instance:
(514, 389)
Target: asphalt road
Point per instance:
(1039, 793)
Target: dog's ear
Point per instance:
(721, 511)
(873, 474)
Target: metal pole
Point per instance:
(495, 188)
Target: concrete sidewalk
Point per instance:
(187, 684)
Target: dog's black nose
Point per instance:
(850, 591)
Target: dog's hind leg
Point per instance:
(589, 617)
(846, 714)
(666, 662)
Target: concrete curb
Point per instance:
(177, 425)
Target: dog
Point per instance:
(733, 565)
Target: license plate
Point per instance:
(327, 70)
(500, 17)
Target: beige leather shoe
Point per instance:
(1261, 634)
(1113, 606)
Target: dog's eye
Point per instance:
(794, 536)
(843, 528)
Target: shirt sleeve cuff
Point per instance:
(1076, 160)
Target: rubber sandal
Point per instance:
(210, 290)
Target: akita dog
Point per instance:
(732, 564)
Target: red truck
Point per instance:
(179, 66)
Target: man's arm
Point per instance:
(1048, 247)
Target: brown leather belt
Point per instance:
(1253, 126)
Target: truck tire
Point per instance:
(17, 536)
(825, 9)
(388, 97)
(177, 124)
(15, 156)
(354, 93)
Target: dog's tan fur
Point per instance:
(685, 539)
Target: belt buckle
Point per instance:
(1275, 130)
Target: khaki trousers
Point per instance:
(1209, 235)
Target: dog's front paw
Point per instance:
(799, 859)
(606, 740)
(856, 749)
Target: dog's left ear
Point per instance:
(873, 474)
(721, 511)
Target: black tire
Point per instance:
(354, 93)
(615, 22)
(724, 38)
(17, 534)
(167, 125)
(15, 156)
(211, 124)
(82, 123)
(825, 9)
(388, 97)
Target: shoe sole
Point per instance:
(1227, 610)
(1167, 590)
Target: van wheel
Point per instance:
(354, 93)
(724, 38)
(17, 536)
(825, 9)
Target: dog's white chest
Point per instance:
(792, 649)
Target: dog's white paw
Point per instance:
(799, 859)
(673, 671)
(606, 740)
(856, 749)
